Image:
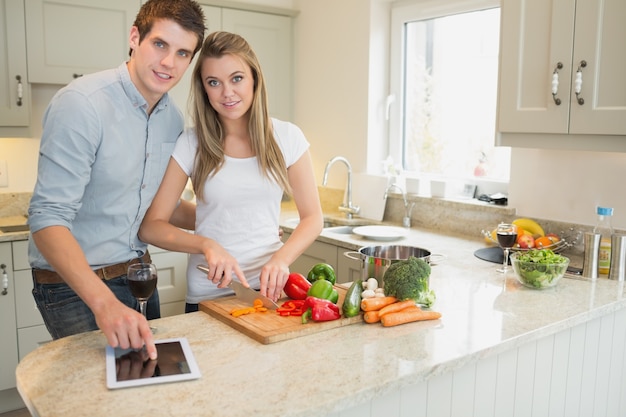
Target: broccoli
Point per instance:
(408, 279)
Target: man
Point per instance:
(107, 139)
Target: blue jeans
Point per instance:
(65, 313)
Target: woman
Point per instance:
(240, 162)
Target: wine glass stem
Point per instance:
(505, 264)
(142, 308)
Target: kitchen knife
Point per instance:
(244, 293)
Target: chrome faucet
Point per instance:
(347, 206)
(408, 207)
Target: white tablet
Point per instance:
(131, 367)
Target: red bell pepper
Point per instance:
(318, 309)
(296, 286)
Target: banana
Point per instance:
(530, 226)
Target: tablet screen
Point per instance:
(131, 367)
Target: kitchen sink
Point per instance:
(337, 221)
(342, 230)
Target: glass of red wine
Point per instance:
(507, 235)
(142, 281)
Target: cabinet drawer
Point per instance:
(30, 338)
(172, 270)
(25, 307)
(348, 270)
(20, 255)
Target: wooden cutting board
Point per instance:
(270, 327)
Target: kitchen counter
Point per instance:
(13, 222)
(484, 315)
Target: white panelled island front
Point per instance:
(499, 349)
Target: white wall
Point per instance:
(568, 185)
(283, 4)
(331, 79)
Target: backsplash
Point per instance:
(14, 204)
(470, 217)
(467, 218)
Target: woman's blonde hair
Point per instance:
(210, 155)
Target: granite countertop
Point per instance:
(483, 313)
(12, 221)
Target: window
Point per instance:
(444, 78)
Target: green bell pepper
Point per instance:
(323, 289)
(334, 296)
(322, 271)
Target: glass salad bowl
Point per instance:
(539, 268)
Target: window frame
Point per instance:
(409, 11)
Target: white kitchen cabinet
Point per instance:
(31, 330)
(14, 88)
(270, 35)
(180, 92)
(8, 328)
(69, 38)
(346, 269)
(172, 281)
(542, 40)
(318, 252)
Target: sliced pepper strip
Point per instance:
(290, 308)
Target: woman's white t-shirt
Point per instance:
(240, 211)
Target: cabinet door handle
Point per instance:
(5, 279)
(578, 82)
(555, 83)
(20, 89)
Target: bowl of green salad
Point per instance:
(539, 268)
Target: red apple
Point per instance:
(526, 242)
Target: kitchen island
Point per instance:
(499, 349)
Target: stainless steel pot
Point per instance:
(377, 259)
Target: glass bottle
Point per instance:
(603, 227)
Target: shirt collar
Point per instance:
(134, 95)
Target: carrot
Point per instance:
(371, 316)
(257, 307)
(408, 316)
(376, 303)
(395, 307)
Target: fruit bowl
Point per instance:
(557, 246)
(564, 241)
(539, 268)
